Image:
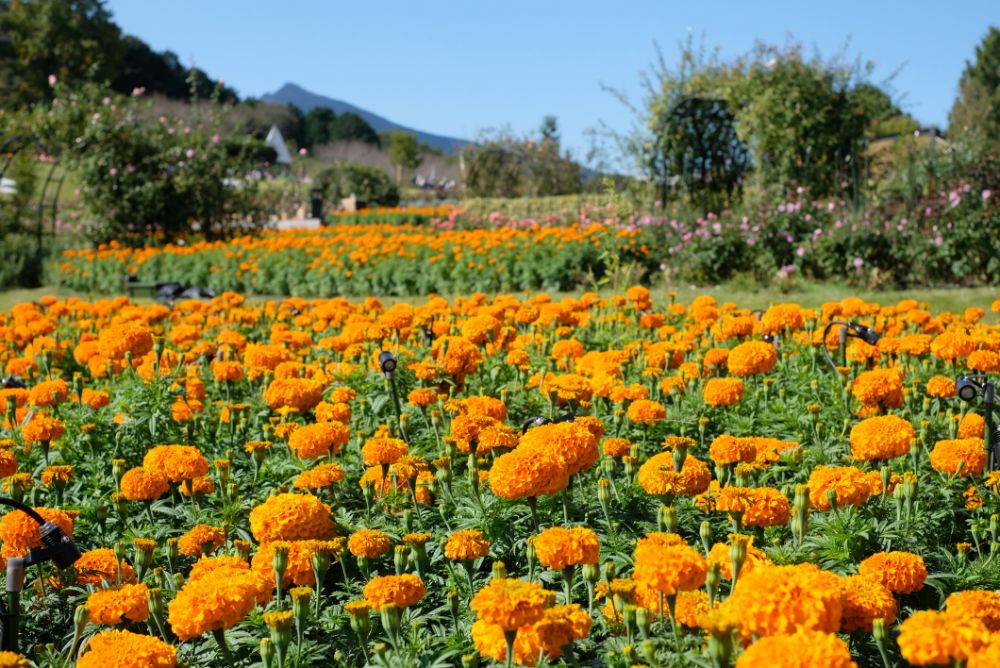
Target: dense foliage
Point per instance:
(243, 490)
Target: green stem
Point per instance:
(220, 638)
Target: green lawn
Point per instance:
(809, 295)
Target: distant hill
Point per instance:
(306, 101)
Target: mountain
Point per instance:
(306, 101)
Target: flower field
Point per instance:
(597, 481)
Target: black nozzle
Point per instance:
(967, 388)
(866, 334)
(61, 549)
(387, 361)
(531, 423)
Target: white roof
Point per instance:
(277, 142)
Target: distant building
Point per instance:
(277, 142)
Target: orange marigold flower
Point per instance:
(511, 603)
(668, 569)
(113, 606)
(645, 411)
(899, 572)
(972, 426)
(528, 473)
(768, 507)
(573, 442)
(865, 600)
(400, 590)
(773, 600)
(124, 648)
(383, 451)
(144, 484)
(980, 604)
(299, 570)
(131, 337)
(932, 638)
(291, 517)
(782, 318)
(964, 456)
(370, 543)
(882, 437)
(227, 371)
(722, 391)
(48, 393)
(320, 476)
(691, 607)
(849, 483)
(557, 628)
(177, 462)
(219, 600)
(13, 660)
(983, 361)
(616, 447)
(57, 475)
(19, 533)
(726, 450)
(319, 440)
(206, 565)
(803, 648)
(941, 387)
(879, 389)
(300, 394)
(421, 397)
(202, 539)
(94, 398)
(466, 545)
(558, 548)
(42, 427)
(8, 463)
(98, 566)
(752, 358)
(720, 554)
(332, 412)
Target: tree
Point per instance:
(975, 114)
(349, 126)
(318, 126)
(404, 152)
(74, 40)
(699, 153)
(506, 166)
(142, 67)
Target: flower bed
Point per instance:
(612, 481)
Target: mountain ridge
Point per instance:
(306, 100)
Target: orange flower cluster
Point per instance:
(878, 389)
(113, 606)
(144, 484)
(202, 538)
(219, 599)
(558, 626)
(400, 590)
(963, 456)
(370, 543)
(772, 600)
(320, 476)
(851, 485)
(722, 391)
(466, 545)
(319, 440)
(291, 517)
(657, 476)
(802, 649)
(899, 572)
(177, 462)
(19, 533)
(558, 548)
(883, 437)
(124, 649)
(752, 358)
(298, 394)
(668, 568)
(931, 638)
(510, 603)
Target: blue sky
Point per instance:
(458, 67)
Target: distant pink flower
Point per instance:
(800, 251)
(938, 240)
(858, 262)
(189, 153)
(657, 204)
(138, 91)
(216, 138)
(163, 119)
(52, 80)
(113, 171)
(986, 194)
(303, 151)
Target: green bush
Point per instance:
(370, 185)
